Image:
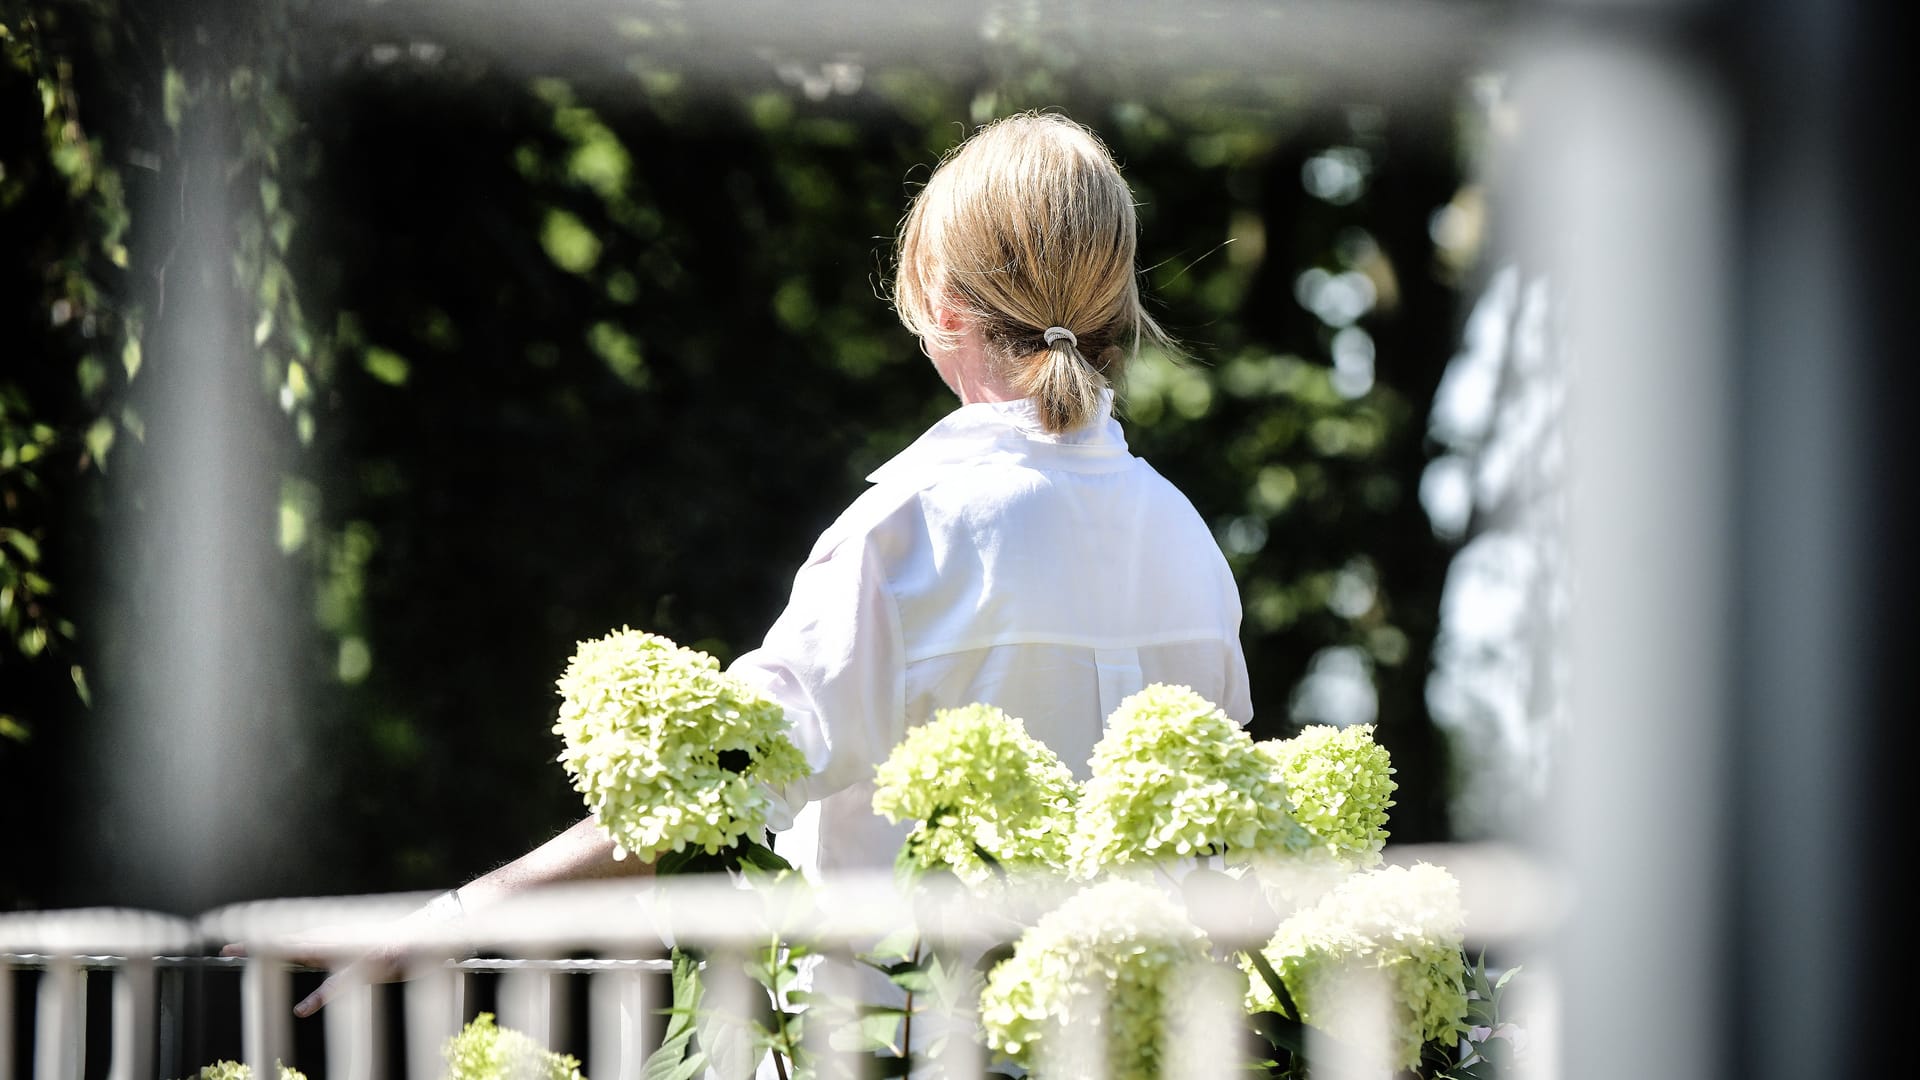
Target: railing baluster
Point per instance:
(349, 1026)
(729, 1004)
(6, 1019)
(433, 1010)
(963, 1054)
(617, 1018)
(60, 1021)
(1364, 1001)
(133, 1020)
(1079, 1047)
(832, 979)
(1202, 1033)
(265, 1005)
(526, 1004)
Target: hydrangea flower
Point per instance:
(668, 750)
(486, 1051)
(1340, 784)
(1174, 776)
(1401, 924)
(240, 1070)
(1121, 944)
(974, 780)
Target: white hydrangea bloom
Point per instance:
(974, 780)
(1402, 924)
(485, 1051)
(1107, 959)
(669, 751)
(1340, 786)
(1172, 777)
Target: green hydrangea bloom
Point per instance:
(1340, 783)
(1403, 924)
(974, 780)
(240, 1070)
(485, 1051)
(1174, 776)
(1119, 942)
(668, 750)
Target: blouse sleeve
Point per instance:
(835, 660)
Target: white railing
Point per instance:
(614, 935)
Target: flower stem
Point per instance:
(781, 1020)
(906, 1021)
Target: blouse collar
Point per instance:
(1010, 432)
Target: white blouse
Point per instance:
(1049, 575)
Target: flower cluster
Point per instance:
(1340, 784)
(1175, 776)
(240, 1070)
(1398, 924)
(975, 781)
(1107, 960)
(486, 1051)
(669, 751)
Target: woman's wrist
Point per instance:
(445, 907)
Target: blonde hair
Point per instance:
(1028, 225)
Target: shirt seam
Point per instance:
(1171, 637)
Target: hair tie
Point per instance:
(1058, 333)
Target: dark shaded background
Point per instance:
(559, 345)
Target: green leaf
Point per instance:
(899, 945)
(993, 864)
(875, 1029)
(173, 96)
(28, 548)
(1281, 1032)
(906, 865)
(729, 1043)
(1273, 981)
(693, 860)
(99, 439)
(994, 957)
(386, 365)
(908, 975)
(760, 856)
(672, 1060)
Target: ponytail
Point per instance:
(1062, 382)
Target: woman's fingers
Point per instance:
(381, 965)
(312, 1002)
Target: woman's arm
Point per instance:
(581, 853)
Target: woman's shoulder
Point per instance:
(879, 512)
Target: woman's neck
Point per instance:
(969, 371)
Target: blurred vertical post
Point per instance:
(196, 739)
(1826, 542)
(1625, 180)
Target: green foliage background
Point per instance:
(561, 344)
